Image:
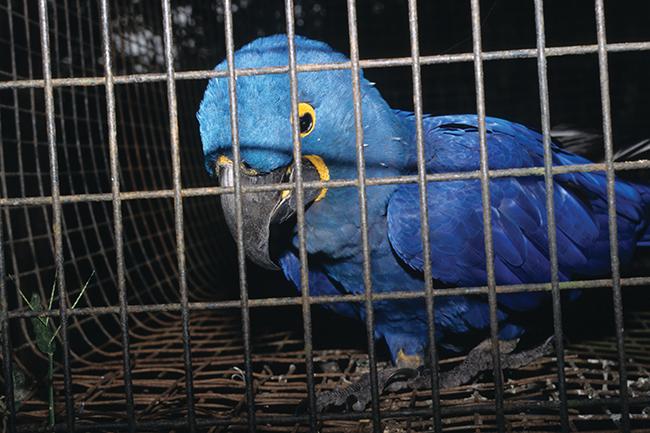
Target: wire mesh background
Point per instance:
(141, 267)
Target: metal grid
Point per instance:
(171, 295)
(531, 396)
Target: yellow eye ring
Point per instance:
(307, 118)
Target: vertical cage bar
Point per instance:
(7, 363)
(487, 216)
(4, 307)
(57, 211)
(542, 71)
(34, 133)
(117, 211)
(239, 232)
(178, 211)
(363, 209)
(77, 110)
(611, 210)
(19, 135)
(300, 215)
(424, 209)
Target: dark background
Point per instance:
(444, 26)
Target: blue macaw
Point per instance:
(333, 235)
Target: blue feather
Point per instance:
(456, 231)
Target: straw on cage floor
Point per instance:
(278, 366)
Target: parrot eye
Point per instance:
(307, 118)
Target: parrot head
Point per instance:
(326, 125)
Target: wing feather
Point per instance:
(518, 210)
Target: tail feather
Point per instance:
(640, 150)
(590, 144)
(579, 141)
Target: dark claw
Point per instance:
(358, 395)
(400, 379)
(479, 359)
(525, 357)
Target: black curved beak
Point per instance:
(261, 210)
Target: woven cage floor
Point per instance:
(278, 360)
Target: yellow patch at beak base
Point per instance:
(223, 160)
(323, 172)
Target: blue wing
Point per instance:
(518, 212)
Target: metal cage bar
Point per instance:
(31, 111)
(118, 227)
(341, 183)
(7, 357)
(526, 53)
(7, 354)
(300, 215)
(73, 92)
(178, 212)
(57, 212)
(363, 211)
(487, 212)
(178, 193)
(611, 210)
(424, 212)
(322, 299)
(550, 211)
(479, 408)
(239, 234)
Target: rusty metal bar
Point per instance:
(178, 212)
(273, 302)
(355, 71)
(57, 211)
(300, 215)
(433, 177)
(117, 211)
(479, 408)
(424, 212)
(487, 212)
(542, 71)
(527, 53)
(239, 233)
(611, 211)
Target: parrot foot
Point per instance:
(477, 360)
(359, 394)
